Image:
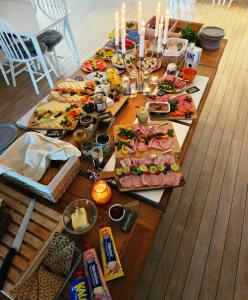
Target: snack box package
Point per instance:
(111, 263)
(79, 288)
(97, 283)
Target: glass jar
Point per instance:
(100, 102)
(143, 115)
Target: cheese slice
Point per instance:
(53, 106)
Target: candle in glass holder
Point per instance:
(101, 192)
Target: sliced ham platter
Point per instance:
(137, 141)
(152, 172)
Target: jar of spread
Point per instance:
(100, 103)
(143, 115)
(171, 69)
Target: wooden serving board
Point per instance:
(174, 147)
(41, 228)
(112, 174)
(116, 107)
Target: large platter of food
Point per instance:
(181, 107)
(142, 140)
(148, 173)
(92, 65)
(55, 116)
(77, 92)
(169, 84)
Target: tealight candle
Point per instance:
(125, 80)
(157, 20)
(101, 192)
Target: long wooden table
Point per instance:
(134, 246)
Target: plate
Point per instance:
(117, 59)
(213, 32)
(8, 133)
(92, 65)
(99, 77)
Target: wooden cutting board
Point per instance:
(174, 147)
(41, 228)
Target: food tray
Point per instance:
(112, 174)
(174, 147)
(43, 224)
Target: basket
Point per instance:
(56, 188)
(174, 56)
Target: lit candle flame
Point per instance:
(159, 4)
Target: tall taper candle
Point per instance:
(160, 35)
(123, 13)
(117, 29)
(139, 15)
(123, 37)
(166, 27)
(157, 20)
(142, 40)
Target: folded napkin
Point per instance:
(31, 154)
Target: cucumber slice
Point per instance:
(126, 170)
(153, 169)
(143, 168)
(119, 172)
(135, 171)
(160, 167)
(175, 167)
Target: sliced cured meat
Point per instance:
(172, 178)
(130, 150)
(127, 181)
(167, 77)
(147, 180)
(157, 179)
(164, 159)
(137, 181)
(163, 128)
(141, 147)
(126, 162)
(155, 144)
(165, 144)
(162, 98)
(133, 145)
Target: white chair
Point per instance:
(55, 10)
(4, 73)
(21, 49)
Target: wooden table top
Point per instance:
(134, 246)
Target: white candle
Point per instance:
(142, 40)
(139, 15)
(123, 37)
(157, 19)
(117, 29)
(166, 27)
(123, 13)
(160, 35)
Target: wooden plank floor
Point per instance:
(201, 247)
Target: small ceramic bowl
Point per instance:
(189, 74)
(116, 212)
